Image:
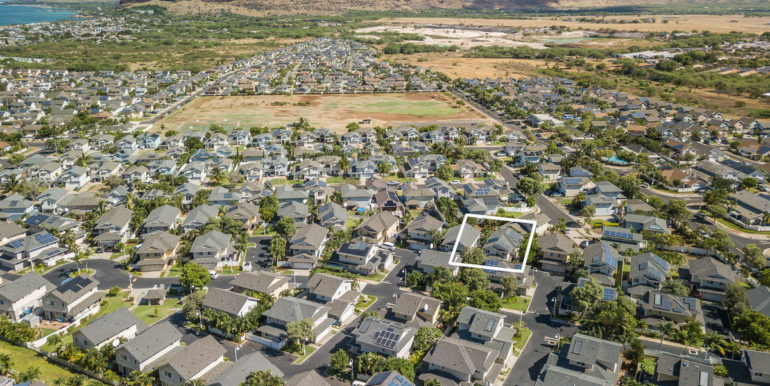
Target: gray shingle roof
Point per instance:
(236, 374)
(261, 281)
(75, 288)
(107, 326)
(151, 341)
(291, 309)
(385, 334)
(461, 356)
(324, 284)
(23, 286)
(196, 356)
(225, 301)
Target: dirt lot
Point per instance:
(713, 23)
(328, 111)
(454, 65)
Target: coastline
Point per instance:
(39, 13)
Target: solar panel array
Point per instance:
(45, 238)
(609, 258)
(387, 338)
(660, 262)
(608, 294)
(618, 234)
(17, 243)
(36, 219)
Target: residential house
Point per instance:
(685, 370)
(463, 361)
(657, 306)
(214, 249)
(555, 249)
(106, 329)
(601, 260)
(261, 282)
(387, 338)
(624, 238)
(758, 299)
(290, 309)
(584, 360)
(503, 243)
(711, 277)
(639, 223)
(157, 251)
(23, 295)
(148, 349)
(308, 242)
(420, 231)
(648, 271)
(73, 300)
(162, 218)
(467, 239)
(200, 216)
(757, 363)
(15, 206)
(379, 228)
(332, 215)
(202, 359)
(247, 213)
(39, 247)
(411, 306)
(232, 303)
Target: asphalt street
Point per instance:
(538, 319)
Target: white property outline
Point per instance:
(452, 261)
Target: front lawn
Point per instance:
(738, 228)
(88, 271)
(24, 358)
(519, 303)
(296, 349)
(148, 313)
(521, 337)
(365, 301)
(231, 270)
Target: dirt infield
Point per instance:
(668, 23)
(327, 111)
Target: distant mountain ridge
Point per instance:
(340, 6)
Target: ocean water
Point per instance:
(25, 14)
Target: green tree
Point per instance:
(426, 337)
(474, 278)
(194, 276)
(675, 287)
(339, 361)
(263, 378)
(676, 211)
(268, 208)
(300, 332)
(586, 296)
(403, 366)
(588, 212)
(443, 172)
(474, 255)
(277, 249)
(510, 286)
(753, 256)
(6, 362)
(485, 300)
(286, 227)
(635, 353)
(529, 186)
(32, 373)
(415, 279)
(691, 334)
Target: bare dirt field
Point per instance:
(327, 111)
(456, 66)
(687, 23)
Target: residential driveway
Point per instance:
(715, 317)
(538, 319)
(260, 254)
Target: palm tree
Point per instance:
(83, 160)
(12, 184)
(6, 361)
